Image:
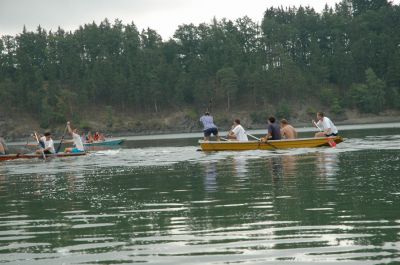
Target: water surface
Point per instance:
(162, 202)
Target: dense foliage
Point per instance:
(346, 57)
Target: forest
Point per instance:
(346, 57)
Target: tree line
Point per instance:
(347, 56)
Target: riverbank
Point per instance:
(19, 126)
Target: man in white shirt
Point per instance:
(47, 144)
(76, 139)
(237, 133)
(325, 125)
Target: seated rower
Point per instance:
(3, 147)
(89, 138)
(76, 139)
(46, 143)
(98, 137)
(273, 130)
(287, 130)
(83, 137)
(325, 125)
(237, 132)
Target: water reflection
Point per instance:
(178, 206)
(210, 178)
(282, 166)
(327, 164)
(240, 166)
(276, 167)
(289, 165)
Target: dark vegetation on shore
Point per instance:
(112, 77)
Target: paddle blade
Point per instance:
(332, 143)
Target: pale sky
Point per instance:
(164, 16)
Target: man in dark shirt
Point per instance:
(274, 130)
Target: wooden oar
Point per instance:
(37, 140)
(331, 142)
(259, 140)
(62, 139)
(252, 136)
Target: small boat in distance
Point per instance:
(269, 145)
(109, 142)
(40, 156)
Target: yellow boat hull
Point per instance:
(270, 145)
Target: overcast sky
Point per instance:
(164, 16)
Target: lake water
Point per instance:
(162, 202)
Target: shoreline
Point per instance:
(298, 125)
(257, 131)
(17, 129)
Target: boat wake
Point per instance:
(166, 156)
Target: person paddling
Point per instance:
(98, 137)
(3, 147)
(273, 130)
(287, 130)
(209, 126)
(325, 125)
(47, 145)
(237, 132)
(76, 139)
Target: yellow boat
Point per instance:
(270, 145)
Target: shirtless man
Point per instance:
(3, 147)
(287, 130)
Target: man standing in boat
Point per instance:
(76, 139)
(209, 126)
(325, 125)
(237, 133)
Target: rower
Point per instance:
(47, 145)
(274, 131)
(76, 139)
(325, 125)
(237, 132)
(3, 147)
(287, 130)
(209, 126)
(98, 137)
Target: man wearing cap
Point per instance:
(209, 126)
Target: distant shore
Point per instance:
(19, 127)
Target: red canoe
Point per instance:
(30, 156)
